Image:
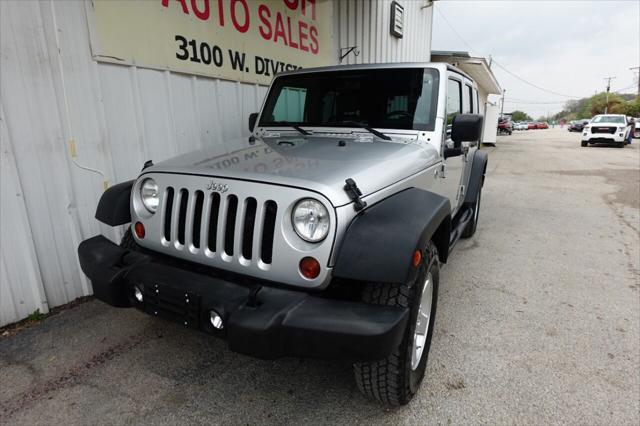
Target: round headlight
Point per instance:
(149, 195)
(310, 220)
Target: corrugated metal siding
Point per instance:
(119, 117)
(18, 259)
(365, 24)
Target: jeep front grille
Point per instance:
(237, 227)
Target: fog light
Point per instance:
(139, 228)
(138, 294)
(309, 267)
(216, 321)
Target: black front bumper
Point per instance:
(269, 323)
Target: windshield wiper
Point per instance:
(295, 126)
(300, 129)
(363, 126)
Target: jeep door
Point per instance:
(453, 166)
(470, 105)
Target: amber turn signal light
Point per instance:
(417, 257)
(309, 267)
(139, 228)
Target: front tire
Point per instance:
(584, 143)
(395, 379)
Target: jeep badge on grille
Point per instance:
(218, 187)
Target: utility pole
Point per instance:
(637, 68)
(606, 108)
(502, 107)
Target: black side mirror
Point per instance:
(252, 120)
(466, 128)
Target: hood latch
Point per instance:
(351, 188)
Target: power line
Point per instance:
(527, 101)
(606, 107)
(500, 65)
(609, 82)
(454, 30)
(535, 109)
(624, 88)
(532, 84)
(517, 101)
(632, 69)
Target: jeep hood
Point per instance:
(314, 162)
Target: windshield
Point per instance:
(405, 98)
(609, 119)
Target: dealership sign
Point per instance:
(245, 40)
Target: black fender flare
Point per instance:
(380, 242)
(476, 176)
(113, 207)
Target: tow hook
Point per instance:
(252, 299)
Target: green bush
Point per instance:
(520, 116)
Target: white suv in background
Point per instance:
(606, 128)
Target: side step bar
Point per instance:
(460, 223)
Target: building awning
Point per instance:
(476, 67)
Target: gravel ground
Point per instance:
(538, 322)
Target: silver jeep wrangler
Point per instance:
(323, 237)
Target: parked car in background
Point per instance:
(532, 125)
(505, 126)
(606, 128)
(577, 125)
(542, 125)
(522, 126)
(636, 129)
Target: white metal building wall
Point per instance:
(365, 24)
(53, 92)
(118, 116)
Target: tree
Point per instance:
(520, 116)
(586, 108)
(631, 108)
(597, 103)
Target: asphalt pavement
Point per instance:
(538, 322)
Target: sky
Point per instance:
(566, 47)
